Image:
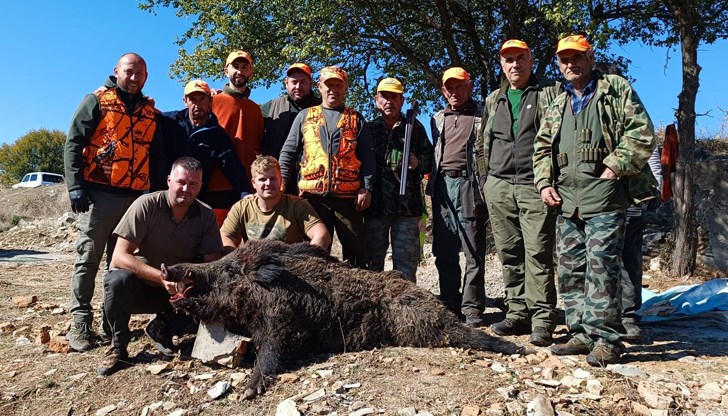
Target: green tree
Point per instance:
(38, 150)
(414, 41)
(683, 24)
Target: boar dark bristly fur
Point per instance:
(296, 299)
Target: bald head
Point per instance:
(131, 73)
(131, 56)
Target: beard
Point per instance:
(298, 97)
(239, 82)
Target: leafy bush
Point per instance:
(38, 150)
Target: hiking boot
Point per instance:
(573, 347)
(541, 337)
(116, 358)
(474, 321)
(510, 326)
(161, 335)
(632, 332)
(603, 354)
(82, 337)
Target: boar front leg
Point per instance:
(269, 361)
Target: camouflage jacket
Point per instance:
(498, 101)
(388, 146)
(627, 130)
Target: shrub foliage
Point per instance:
(38, 150)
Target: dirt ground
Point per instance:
(677, 369)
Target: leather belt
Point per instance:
(455, 173)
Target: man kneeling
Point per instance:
(270, 214)
(167, 227)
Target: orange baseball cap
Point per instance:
(197, 85)
(299, 67)
(511, 44)
(238, 54)
(573, 43)
(390, 85)
(455, 72)
(333, 72)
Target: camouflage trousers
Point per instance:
(589, 266)
(405, 236)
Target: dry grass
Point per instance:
(714, 147)
(32, 203)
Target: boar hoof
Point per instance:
(253, 389)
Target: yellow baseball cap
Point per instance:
(197, 85)
(330, 72)
(455, 72)
(511, 44)
(573, 43)
(390, 85)
(299, 67)
(238, 54)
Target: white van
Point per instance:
(35, 179)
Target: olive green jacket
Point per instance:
(627, 130)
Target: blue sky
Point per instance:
(57, 51)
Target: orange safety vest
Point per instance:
(118, 152)
(336, 174)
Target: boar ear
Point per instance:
(269, 273)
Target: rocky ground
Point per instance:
(676, 370)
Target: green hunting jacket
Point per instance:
(627, 130)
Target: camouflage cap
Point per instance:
(330, 72)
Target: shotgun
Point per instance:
(410, 118)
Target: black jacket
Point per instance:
(209, 144)
(511, 157)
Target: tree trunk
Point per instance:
(683, 256)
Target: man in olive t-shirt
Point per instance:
(271, 214)
(167, 226)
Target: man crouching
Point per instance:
(162, 227)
